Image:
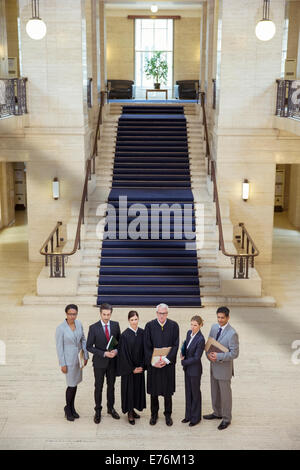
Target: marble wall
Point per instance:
(57, 134)
(244, 141)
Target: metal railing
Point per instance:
(241, 261)
(288, 98)
(55, 258)
(13, 101)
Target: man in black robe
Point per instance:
(161, 333)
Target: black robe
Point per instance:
(161, 381)
(130, 356)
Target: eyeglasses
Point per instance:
(72, 314)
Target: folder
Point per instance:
(159, 353)
(183, 348)
(113, 342)
(213, 345)
(81, 359)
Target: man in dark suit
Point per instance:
(192, 366)
(104, 361)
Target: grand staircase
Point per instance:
(151, 168)
(151, 156)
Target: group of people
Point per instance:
(132, 353)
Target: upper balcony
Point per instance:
(288, 106)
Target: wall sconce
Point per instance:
(245, 190)
(265, 28)
(55, 189)
(36, 28)
(154, 8)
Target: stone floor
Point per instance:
(265, 387)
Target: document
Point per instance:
(213, 345)
(159, 354)
(81, 359)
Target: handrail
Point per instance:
(240, 260)
(57, 260)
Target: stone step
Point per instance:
(92, 281)
(216, 301)
(95, 253)
(94, 261)
(207, 301)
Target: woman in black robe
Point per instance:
(131, 368)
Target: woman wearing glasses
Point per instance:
(70, 346)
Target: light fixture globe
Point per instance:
(36, 29)
(154, 8)
(265, 30)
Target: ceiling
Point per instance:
(162, 5)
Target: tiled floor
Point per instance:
(265, 387)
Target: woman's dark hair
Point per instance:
(224, 310)
(132, 313)
(71, 306)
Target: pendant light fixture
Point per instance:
(265, 28)
(36, 28)
(154, 8)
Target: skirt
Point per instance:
(73, 376)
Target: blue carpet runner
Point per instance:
(151, 168)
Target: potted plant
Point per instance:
(157, 67)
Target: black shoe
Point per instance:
(194, 424)
(135, 415)
(153, 420)
(184, 420)
(113, 413)
(131, 418)
(169, 421)
(212, 416)
(97, 418)
(74, 412)
(68, 414)
(223, 425)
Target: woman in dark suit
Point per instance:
(131, 368)
(70, 340)
(192, 351)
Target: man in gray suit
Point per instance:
(221, 368)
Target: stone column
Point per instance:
(203, 56)
(57, 134)
(102, 26)
(91, 32)
(294, 196)
(244, 138)
(3, 42)
(210, 56)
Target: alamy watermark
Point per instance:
(2, 353)
(157, 221)
(296, 354)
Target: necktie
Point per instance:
(218, 334)
(106, 333)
